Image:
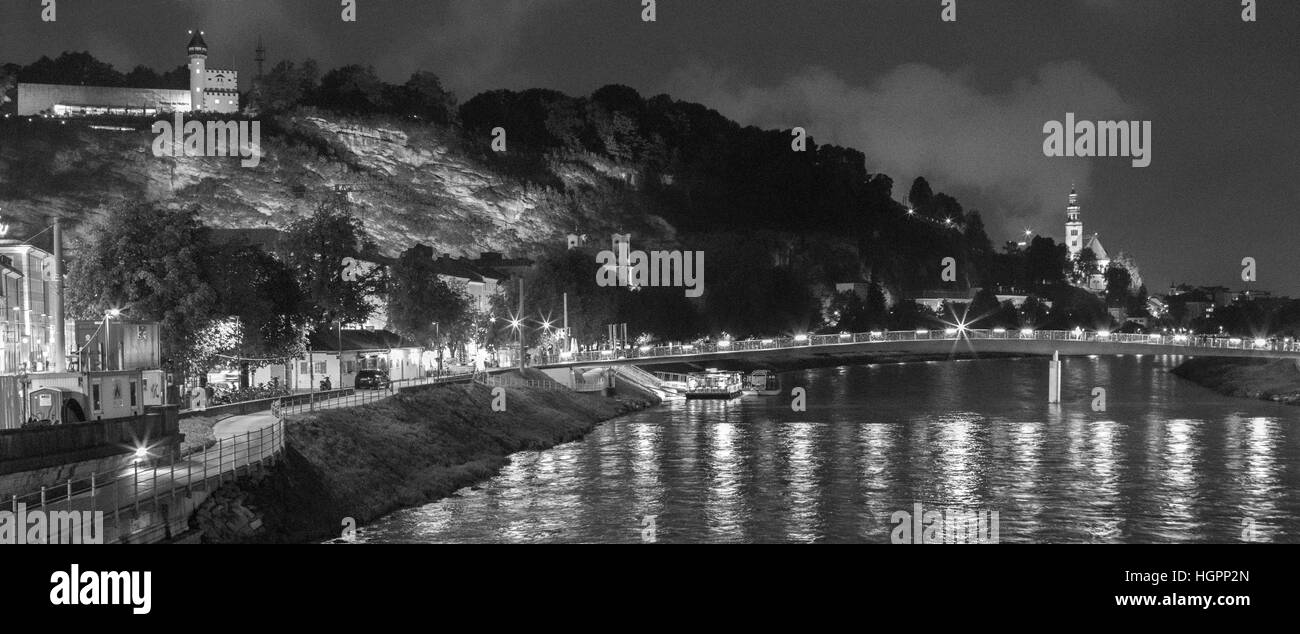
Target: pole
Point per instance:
(1054, 378)
(568, 336)
(340, 322)
(521, 327)
(56, 302)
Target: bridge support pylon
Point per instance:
(1054, 378)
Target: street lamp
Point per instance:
(437, 341)
(112, 313)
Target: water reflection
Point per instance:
(1166, 462)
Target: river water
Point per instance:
(1167, 461)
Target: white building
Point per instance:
(210, 91)
(339, 355)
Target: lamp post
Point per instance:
(112, 313)
(437, 341)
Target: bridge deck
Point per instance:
(1045, 342)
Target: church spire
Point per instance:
(1073, 224)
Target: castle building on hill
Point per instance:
(210, 91)
(1076, 242)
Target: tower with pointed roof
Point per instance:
(198, 52)
(1073, 225)
(210, 90)
(1076, 243)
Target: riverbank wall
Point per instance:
(345, 468)
(1276, 380)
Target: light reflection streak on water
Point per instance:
(724, 487)
(801, 474)
(1178, 482)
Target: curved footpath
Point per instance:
(415, 447)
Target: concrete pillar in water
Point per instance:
(1054, 378)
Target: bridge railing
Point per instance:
(924, 334)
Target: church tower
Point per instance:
(198, 51)
(1073, 225)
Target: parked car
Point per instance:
(372, 379)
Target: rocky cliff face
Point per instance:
(407, 182)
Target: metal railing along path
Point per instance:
(501, 381)
(137, 501)
(360, 396)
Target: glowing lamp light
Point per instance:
(950, 331)
(1260, 343)
(141, 453)
(1026, 332)
(801, 338)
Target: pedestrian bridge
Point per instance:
(950, 341)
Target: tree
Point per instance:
(1045, 262)
(314, 249)
(418, 299)
(8, 88)
(150, 263)
(72, 68)
(353, 89)
(877, 311)
(848, 312)
(263, 303)
(423, 96)
(1118, 285)
(287, 86)
(1033, 313)
(908, 315)
(921, 195)
(984, 310)
(1130, 264)
(1085, 266)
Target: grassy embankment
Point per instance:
(1266, 379)
(413, 448)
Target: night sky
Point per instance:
(962, 104)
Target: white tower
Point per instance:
(198, 50)
(1073, 225)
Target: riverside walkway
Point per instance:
(151, 499)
